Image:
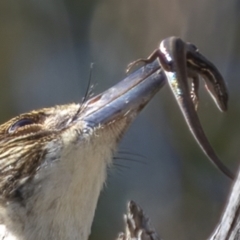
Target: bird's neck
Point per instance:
(63, 205)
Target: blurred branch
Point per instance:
(138, 227)
(229, 226)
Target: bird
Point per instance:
(54, 161)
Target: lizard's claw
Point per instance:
(133, 64)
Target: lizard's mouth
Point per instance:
(126, 98)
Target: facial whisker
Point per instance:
(87, 95)
(129, 159)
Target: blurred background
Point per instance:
(46, 49)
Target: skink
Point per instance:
(180, 61)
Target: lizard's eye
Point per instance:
(20, 123)
(194, 47)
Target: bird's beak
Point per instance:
(125, 98)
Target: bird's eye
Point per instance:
(20, 123)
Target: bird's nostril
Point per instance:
(95, 99)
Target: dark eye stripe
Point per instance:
(20, 123)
